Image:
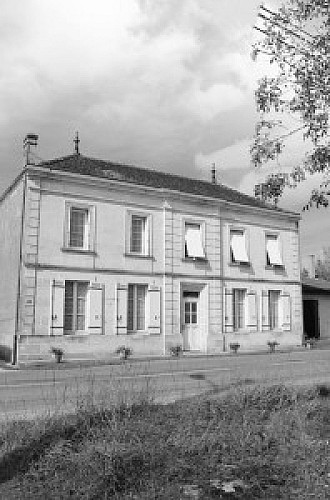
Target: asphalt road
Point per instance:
(31, 392)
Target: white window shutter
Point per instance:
(252, 311)
(273, 250)
(154, 306)
(238, 246)
(286, 311)
(265, 310)
(57, 315)
(95, 317)
(229, 313)
(193, 240)
(122, 292)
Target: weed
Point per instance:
(256, 442)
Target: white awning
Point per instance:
(237, 242)
(273, 251)
(193, 239)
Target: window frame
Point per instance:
(147, 251)
(75, 330)
(276, 325)
(201, 224)
(135, 310)
(244, 231)
(89, 238)
(271, 234)
(238, 328)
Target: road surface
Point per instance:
(31, 392)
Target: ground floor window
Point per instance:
(273, 305)
(239, 297)
(136, 307)
(75, 299)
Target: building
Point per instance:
(316, 310)
(96, 254)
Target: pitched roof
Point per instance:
(79, 164)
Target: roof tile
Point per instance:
(83, 165)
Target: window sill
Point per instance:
(139, 256)
(138, 334)
(275, 267)
(239, 264)
(76, 335)
(78, 250)
(194, 259)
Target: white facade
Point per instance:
(107, 263)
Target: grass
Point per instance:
(257, 442)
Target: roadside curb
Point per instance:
(87, 363)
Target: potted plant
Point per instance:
(124, 352)
(272, 344)
(310, 343)
(234, 346)
(176, 350)
(58, 353)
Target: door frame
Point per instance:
(203, 310)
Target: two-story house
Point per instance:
(96, 254)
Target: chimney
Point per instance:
(213, 174)
(30, 140)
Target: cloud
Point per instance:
(236, 156)
(148, 82)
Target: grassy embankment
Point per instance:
(259, 442)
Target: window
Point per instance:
(136, 307)
(239, 309)
(193, 241)
(139, 237)
(273, 308)
(190, 307)
(238, 252)
(273, 254)
(75, 306)
(79, 227)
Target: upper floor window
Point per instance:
(139, 237)
(238, 253)
(194, 241)
(79, 227)
(273, 253)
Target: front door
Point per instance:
(191, 317)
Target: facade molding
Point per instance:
(147, 274)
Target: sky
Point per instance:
(162, 84)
